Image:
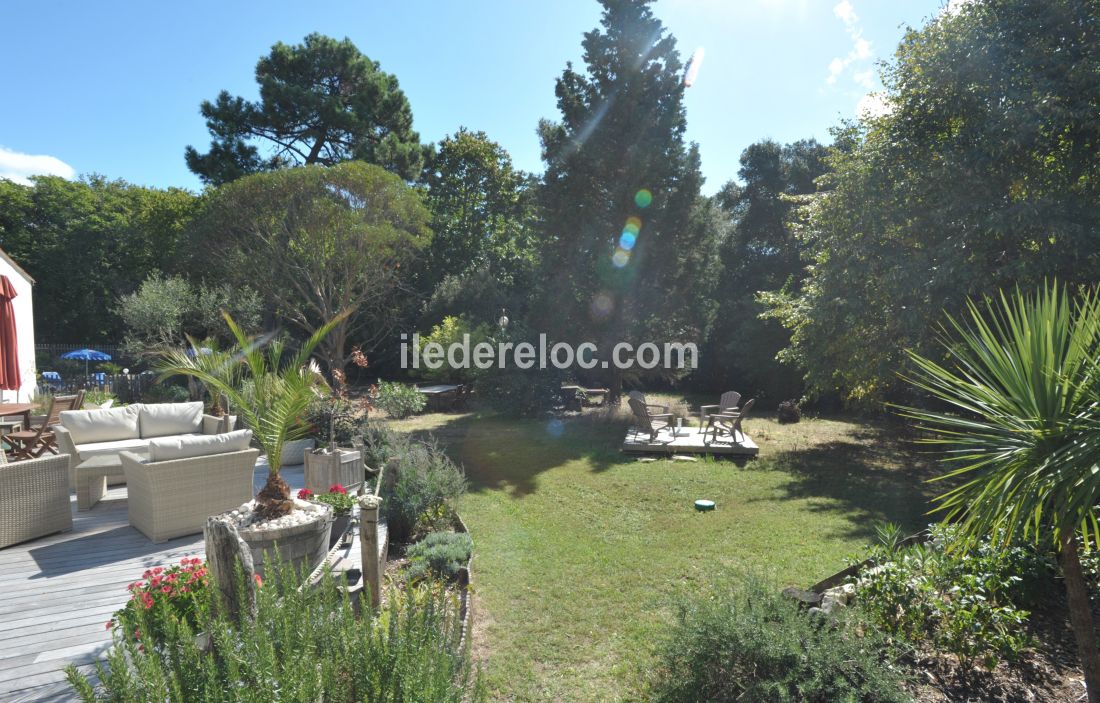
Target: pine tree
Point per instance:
(629, 243)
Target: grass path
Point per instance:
(579, 549)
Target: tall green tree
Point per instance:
(483, 249)
(86, 243)
(984, 174)
(629, 252)
(317, 241)
(762, 253)
(321, 102)
(1020, 386)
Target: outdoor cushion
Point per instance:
(168, 448)
(87, 451)
(87, 426)
(164, 419)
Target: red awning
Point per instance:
(9, 341)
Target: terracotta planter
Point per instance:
(323, 469)
(303, 546)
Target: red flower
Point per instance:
(147, 600)
(158, 570)
(259, 580)
(165, 589)
(110, 624)
(147, 574)
(304, 494)
(337, 488)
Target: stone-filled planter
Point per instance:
(324, 468)
(294, 452)
(302, 546)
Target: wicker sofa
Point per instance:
(34, 498)
(83, 434)
(171, 494)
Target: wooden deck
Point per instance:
(687, 440)
(57, 592)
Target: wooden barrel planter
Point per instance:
(301, 546)
(344, 466)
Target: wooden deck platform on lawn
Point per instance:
(57, 592)
(687, 440)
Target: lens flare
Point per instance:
(627, 240)
(601, 306)
(633, 225)
(643, 198)
(620, 258)
(555, 428)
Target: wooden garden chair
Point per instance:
(728, 423)
(640, 397)
(33, 442)
(647, 421)
(727, 404)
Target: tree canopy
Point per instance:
(628, 243)
(87, 242)
(321, 102)
(317, 241)
(984, 174)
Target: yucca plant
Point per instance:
(270, 389)
(1022, 386)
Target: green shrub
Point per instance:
(337, 415)
(440, 554)
(426, 479)
(381, 443)
(748, 643)
(522, 392)
(399, 400)
(965, 603)
(97, 396)
(307, 645)
(165, 393)
(789, 412)
(451, 331)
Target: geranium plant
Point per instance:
(337, 497)
(163, 598)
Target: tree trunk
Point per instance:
(1080, 616)
(225, 551)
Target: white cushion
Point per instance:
(87, 451)
(87, 426)
(212, 425)
(169, 448)
(163, 419)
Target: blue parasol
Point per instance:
(87, 355)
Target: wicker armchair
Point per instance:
(34, 498)
(173, 498)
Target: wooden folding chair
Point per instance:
(33, 442)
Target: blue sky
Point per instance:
(114, 87)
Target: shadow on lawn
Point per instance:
(501, 453)
(870, 475)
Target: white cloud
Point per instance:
(19, 167)
(873, 105)
(865, 78)
(846, 13)
(855, 62)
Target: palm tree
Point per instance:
(268, 388)
(1022, 385)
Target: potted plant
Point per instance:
(340, 501)
(271, 391)
(335, 420)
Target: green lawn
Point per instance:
(578, 548)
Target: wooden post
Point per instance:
(224, 550)
(368, 544)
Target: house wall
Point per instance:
(24, 326)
